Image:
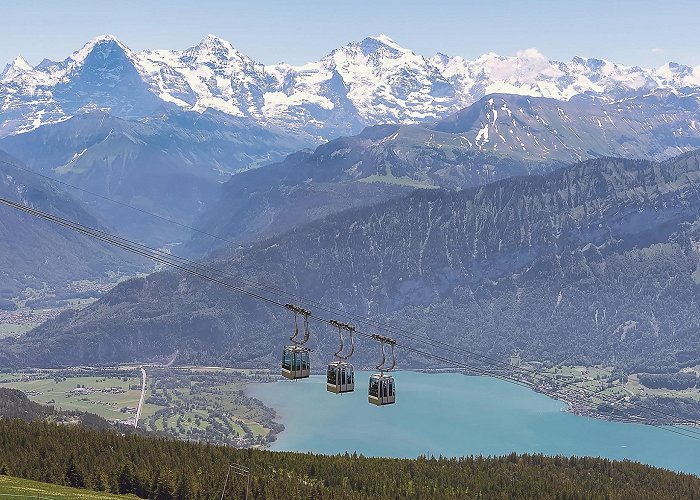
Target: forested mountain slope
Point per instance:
(594, 263)
(382, 162)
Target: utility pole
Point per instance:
(241, 471)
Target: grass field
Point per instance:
(15, 488)
(13, 330)
(45, 389)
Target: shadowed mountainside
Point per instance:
(594, 263)
(35, 253)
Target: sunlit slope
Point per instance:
(13, 487)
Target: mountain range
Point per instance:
(595, 263)
(533, 205)
(363, 83)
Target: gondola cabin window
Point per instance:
(286, 360)
(374, 387)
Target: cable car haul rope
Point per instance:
(296, 359)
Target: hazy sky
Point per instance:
(641, 32)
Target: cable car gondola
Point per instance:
(295, 358)
(382, 388)
(341, 376)
(295, 362)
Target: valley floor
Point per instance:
(34, 306)
(195, 403)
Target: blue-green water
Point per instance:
(454, 415)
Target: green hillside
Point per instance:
(12, 488)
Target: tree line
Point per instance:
(162, 468)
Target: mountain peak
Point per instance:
(214, 49)
(684, 75)
(490, 56)
(385, 40)
(105, 38)
(103, 41)
(378, 43)
(21, 63)
(373, 46)
(674, 67)
(215, 41)
(17, 66)
(592, 63)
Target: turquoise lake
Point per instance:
(454, 415)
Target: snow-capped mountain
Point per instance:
(363, 83)
(531, 73)
(104, 74)
(211, 74)
(19, 65)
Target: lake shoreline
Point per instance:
(495, 418)
(580, 406)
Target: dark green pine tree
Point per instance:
(73, 477)
(98, 482)
(126, 481)
(164, 490)
(155, 484)
(183, 490)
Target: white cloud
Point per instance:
(657, 50)
(531, 53)
(526, 67)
